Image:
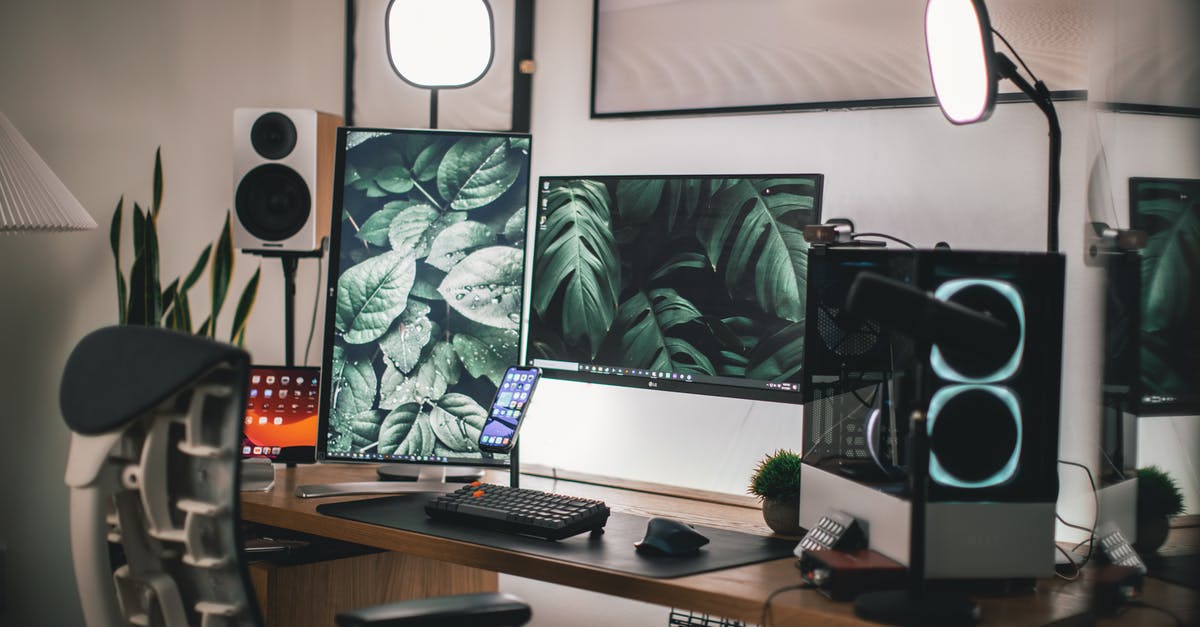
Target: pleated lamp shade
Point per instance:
(32, 198)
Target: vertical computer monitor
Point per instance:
(424, 299)
(691, 284)
(1168, 211)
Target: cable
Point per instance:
(312, 323)
(1016, 54)
(771, 597)
(1146, 606)
(1091, 539)
(884, 236)
(1074, 575)
(1120, 473)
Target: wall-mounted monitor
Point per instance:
(1168, 211)
(682, 283)
(424, 299)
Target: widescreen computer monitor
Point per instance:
(1168, 211)
(690, 284)
(424, 299)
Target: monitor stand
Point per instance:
(413, 472)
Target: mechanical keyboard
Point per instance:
(519, 510)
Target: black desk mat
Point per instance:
(612, 550)
(1183, 570)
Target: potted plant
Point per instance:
(776, 482)
(1158, 498)
(144, 300)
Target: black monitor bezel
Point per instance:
(330, 295)
(623, 377)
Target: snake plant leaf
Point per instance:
(778, 357)
(241, 315)
(397, 426)
(487, 351)
(197, 271)
(486, 286)
(169, 294)
(403, 342)
(145, 295)
(374, 229)
(457, 421)
(203, 330)
(755, 232)
(220, 274)
(372, 294)
(477, 171)
(577, 256)
(644, 322)
(156, 204)
(453, 244)
(182, 312)
(114, 239)
(414, 228)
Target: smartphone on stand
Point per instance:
(499, 434)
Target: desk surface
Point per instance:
(738, 593)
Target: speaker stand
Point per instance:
(290, 259)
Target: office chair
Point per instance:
(154, 467)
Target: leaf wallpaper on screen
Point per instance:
(428, 305)
(687, 275)
(1169, 212)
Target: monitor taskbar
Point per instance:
(785, 392)
(411, 459)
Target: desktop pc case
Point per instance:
(993, 421)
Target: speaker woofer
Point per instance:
(273, 202)
(975, 436)
(273, 135)
(998, 299)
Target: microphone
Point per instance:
(900, 307)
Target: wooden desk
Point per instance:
(737, 593)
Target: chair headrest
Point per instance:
(118, 373)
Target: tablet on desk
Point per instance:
(281, 413)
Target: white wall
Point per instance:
(907, 172)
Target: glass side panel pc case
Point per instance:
(281, 413)
(685, 283)
(425, 292)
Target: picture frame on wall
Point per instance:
(376, 96)
(674, 57)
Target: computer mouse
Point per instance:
(666, 536)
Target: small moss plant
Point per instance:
(1158, 494)
(777, 476)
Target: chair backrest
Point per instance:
(153, 468)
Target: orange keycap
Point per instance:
(478, 493)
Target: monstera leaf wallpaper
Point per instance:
(1168, 210)
(690, 275)
(429, 260)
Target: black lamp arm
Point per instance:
(1040, 96)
